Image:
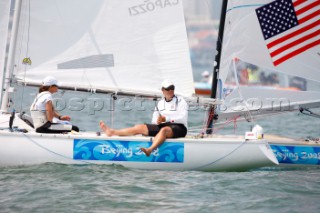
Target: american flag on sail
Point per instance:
(290, 27)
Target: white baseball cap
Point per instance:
(167, 83)
(49, 81)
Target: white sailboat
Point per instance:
(125, 47)
(280, 38)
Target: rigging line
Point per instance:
(221, 122)
(259, 117)
(19, 40)
(27, 53)
(244, 6)
(308, 112)
(234, 125)
(112, 111)
(205, 118)
(55, 153)
(238, 88)
(223, 125)
(217, 123)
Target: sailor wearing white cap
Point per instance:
(169, 120)
(45, 118)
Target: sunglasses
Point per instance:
(168, 88)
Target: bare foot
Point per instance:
(108, 131)
(146, 151)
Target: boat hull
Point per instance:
(295, 152)
(175, 154)
(298, 155)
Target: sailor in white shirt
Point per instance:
(45, 118)
(169, 120)
(175, 110)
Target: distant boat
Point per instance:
(117, 48)
(203, 88)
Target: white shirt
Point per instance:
(175, 111)
(39, 104)
(41, 101)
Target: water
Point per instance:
(101, 188)
(94, 188)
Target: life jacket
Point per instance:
(39, 117)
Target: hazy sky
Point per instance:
(205, 8)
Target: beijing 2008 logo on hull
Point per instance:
(117, 150)
(297, 154)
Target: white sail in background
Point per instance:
(245, 40)
(4, 24)
(127, 45)
(253, 41)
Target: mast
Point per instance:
(5, 8)
(12, 49)
(216, 68)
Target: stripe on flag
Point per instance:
(290, 27)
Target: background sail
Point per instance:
(269, 85)
(127, 45)
(246, 40)
(4, 24)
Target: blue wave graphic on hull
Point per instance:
(297, 154)
(116, 150)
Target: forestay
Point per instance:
(122, 46)
(276, 36)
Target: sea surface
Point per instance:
(99, 188)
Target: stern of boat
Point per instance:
(268, 152)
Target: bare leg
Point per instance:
(108, 131)
(164, 133)
(135, 130)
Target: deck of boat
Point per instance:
(275, 139)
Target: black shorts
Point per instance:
(179, 130)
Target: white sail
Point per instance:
(122, 45)
(288, 54)
(245, 40)
(127, 45)
(4, 24)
